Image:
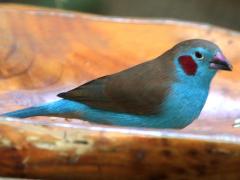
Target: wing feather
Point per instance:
(138, 90)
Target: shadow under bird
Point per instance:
(166, 92)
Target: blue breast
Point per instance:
(183, 105)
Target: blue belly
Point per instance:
(181, 107)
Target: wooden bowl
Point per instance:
(44, 52)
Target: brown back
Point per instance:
(137, 90)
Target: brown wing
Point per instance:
(138, 90)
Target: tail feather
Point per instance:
(28, 112)
(61, 108)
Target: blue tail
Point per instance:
(61, 108)
(28, 112)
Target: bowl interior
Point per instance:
(48, 53)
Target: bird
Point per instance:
(167, 92)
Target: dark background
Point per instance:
(224, 13)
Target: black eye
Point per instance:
(198, 55)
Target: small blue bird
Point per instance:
(166, 92)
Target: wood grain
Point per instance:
(56, 151)
(44, 52)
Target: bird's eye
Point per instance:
(198, 55)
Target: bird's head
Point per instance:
(199, 59)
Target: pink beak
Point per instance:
(220, 62)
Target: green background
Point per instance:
(224, 13)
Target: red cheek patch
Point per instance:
(188, 65)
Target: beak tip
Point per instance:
(230, 67)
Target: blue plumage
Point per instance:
(167, 92)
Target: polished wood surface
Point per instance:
(44, 52)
